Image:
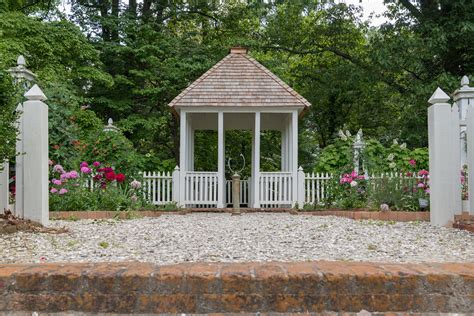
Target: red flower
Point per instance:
(120, 177)
(108, 169)
(110, 176)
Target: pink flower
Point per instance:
(353, 174)
(423, 173)
(50, 162)
(85, 170)
(56, 182)
(63, 191)
(134, 198)
(53, 190)
(73, 174)
(463, 179)
(421, 185)
(84, 164)
(64, 176)
(412, 162)
(96, 164)
(58, 168)
(427, 191)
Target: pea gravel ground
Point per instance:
(249, 237)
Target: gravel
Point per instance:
(249, 237)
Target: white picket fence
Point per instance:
(276, 188)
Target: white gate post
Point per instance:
(175, 184)
(440, 162)
(19, 167)
(470, 155)
(4, 185)
(301, 187)
(35, 144)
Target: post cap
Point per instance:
(21, 61)
(439, 96)
(465, 81)
(35, 93)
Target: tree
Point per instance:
(8, 118)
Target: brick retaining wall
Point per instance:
(384, 216)
(245, 287)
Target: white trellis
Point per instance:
(451, 145)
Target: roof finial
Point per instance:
(21, 61)
(238, 50)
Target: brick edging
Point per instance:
(384, 216)
(238, 287)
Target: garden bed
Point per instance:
(397, 216)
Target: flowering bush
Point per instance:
(348, 191)
(93, 187)
(464, 186)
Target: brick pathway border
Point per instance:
(237, 287)
(384, 216)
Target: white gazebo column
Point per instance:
(190, 145)
(183, 138)
(220, 160)
(256, 162)
(294, 154)
(284, 148)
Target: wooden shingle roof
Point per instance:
(239, 80)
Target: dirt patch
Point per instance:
(10, 224)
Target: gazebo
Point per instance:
(238, 93)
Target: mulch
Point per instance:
(9, 224)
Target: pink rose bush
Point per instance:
(93, 187)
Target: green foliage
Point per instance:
(8, 117)
(396, 193)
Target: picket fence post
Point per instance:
(301, 187)
(4, 185)
(176, 186)
(440, 162)
(35, 145)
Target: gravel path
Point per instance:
(249, 237)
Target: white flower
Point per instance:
(384, 207)
(390, 157)
(342, 136)
(353, 183)
(135, 184)
(348, 134)
(403, 146)
(392, 165)
(395, 141)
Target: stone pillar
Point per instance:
(4, 185)
(439, 140)
(35, 145)
(236, 193)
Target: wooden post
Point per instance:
(175, 183)
(256, 162)
(182, 157)
(439, 140)
(35, 142)
(301, 187)
(4, 187)
(220, 160)
(19, 167)
(294, 155)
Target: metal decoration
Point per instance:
(240, 170)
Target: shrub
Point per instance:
(93, 187)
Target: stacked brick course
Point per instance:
(241, 287)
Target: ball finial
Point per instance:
(465, 81)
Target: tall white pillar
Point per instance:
(294, 154)
(256, 162)
(463, 97)
(182, 156)
(35, 144)
(220, 160)
(440, 162)
(456, 160)
(284, 147)
(4, 185)
(19, 167)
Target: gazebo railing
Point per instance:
(200, 188)
(276, 189)
(244, 192)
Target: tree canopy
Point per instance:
(127, 60)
